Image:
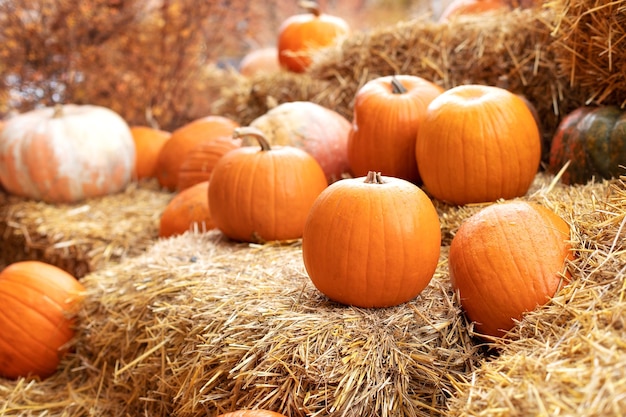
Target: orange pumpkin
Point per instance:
(66, 153)
(506, 260)
(39, 304)
(259, 195)
(387, 115)
(251, 413)
(184, 139)
(148, 144)
(477, 143)
(187, 210)
(471, 7)
(199, 161)
(320, 131)
(301, 35)
(260, 61)
(371, 241)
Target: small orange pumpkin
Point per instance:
(39, 305)
(477, 143)
(184, 139)
(387, 115)
(301, 35)
(471, 7)
(252, 413)
(318, 130)
(148, 144)
(506, 260)
(186, 210)
(265, 194)
(66, 153)
(200, 160)
(260, 61)
(371, 241)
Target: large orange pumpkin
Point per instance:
(187, 210)
(148, 144)
(184, 139)
(318, 130)
(301, 35)
(371, 241)
(199, 162)
(476, 144)
(506, 260)
(66, 153)
(265, 194)
(387, 115)
(39, 303)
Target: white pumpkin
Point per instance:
(66, 153)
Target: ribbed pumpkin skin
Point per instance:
(264, 195)
(148, 144)
(184, 139)
(187, 209)
(594, 139)
(201, 159)
(301, 35)
(385, 125)
(371, 245)
(477, 144)
(506, 260)
(39, 302)
(320, 131)
(85, 151)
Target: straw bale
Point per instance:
(84, 236)
(567, 358)
(197, 325)
(590, 49)
(246, 98)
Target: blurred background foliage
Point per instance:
(149, 60)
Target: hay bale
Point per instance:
(569, 357)
(81, 237)
(198, 325)
(590, 49)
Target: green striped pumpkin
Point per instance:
(593, 139)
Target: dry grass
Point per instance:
(198, 325)
(84, 236)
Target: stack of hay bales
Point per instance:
(197, 325)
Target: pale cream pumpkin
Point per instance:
(66, 153)
(316, 129)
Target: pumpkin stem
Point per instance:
(310, 6)
(58, 111)
(396, 86)
(240, 132)
(374, 178)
